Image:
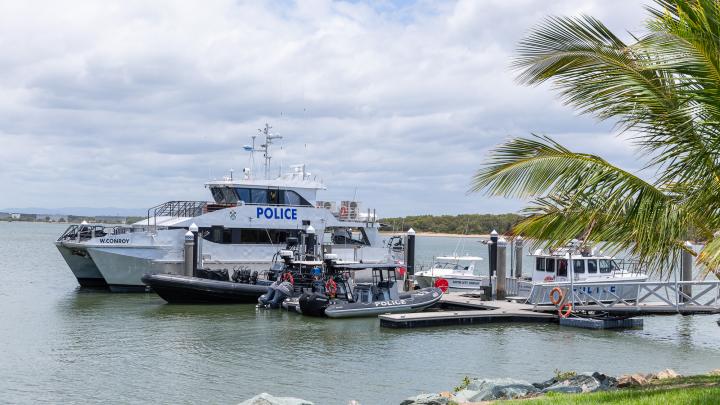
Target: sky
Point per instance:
(131, 103)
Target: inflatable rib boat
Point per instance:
(175, 288)
(382, 296)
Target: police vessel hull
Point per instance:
(411, 302)
(181, 289)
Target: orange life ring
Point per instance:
(565, 313)
(289, 277)
(331, 288)
(560, 295)
(343, 211)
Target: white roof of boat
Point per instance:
(161, 221)
(282, 181)
(465, 258)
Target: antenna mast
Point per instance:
(264, 148)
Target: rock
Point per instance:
(715, 372)
(664, 375)
(497, 388)
(631, 380)
(267, 399)
(541, 386)
(427, 399)
(584, 382)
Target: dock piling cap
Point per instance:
(189, 236)
(310, 230)
(493, 233)
(411, 232)
(193, 228)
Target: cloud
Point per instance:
(129, 103)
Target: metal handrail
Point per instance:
(656, 293)
(176, 209)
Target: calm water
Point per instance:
(62, 345)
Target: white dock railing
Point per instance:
(682, 296)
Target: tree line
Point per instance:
(455, 224)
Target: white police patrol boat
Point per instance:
(247, 222)
(614, 279)
(454, 273)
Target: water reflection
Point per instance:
(61, 344)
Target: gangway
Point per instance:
(650, 297)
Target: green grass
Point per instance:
(683, 390)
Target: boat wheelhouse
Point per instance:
(245, 224)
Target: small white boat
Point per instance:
(453, 273)
(614, 279)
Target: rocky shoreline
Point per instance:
(491, 389)
(477, 390)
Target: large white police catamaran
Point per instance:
(246, 224)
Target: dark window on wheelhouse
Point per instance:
(550, 265)
(578, 266)
(606, 265)
(562, 267)
(592, 266)
(292, 198)
(258, 196)
(540, 264)
(273, 196)
(243, 194)
(217, 195)
(219, 234)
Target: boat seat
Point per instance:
(405, 296)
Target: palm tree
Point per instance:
(663, 89)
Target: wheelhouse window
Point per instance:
(562, 267)
(578, 266)
(243, 194)
(217, 194)
(292, 198)
(606, 265)
(273, 196)
(550, 265)
(224, 195)
(259, 196)
(592, 266)
(540, 264)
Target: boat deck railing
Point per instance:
(85, 232)
(175, 209)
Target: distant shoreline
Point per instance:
(440, 234)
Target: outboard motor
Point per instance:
(254, 277)
(277, 292)
(313, 304)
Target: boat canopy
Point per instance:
(460, 258)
